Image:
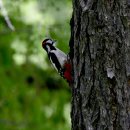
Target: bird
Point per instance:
(58, 58)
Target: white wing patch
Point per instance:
(61, 56)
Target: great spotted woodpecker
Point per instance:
(58, 58)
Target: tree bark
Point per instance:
(100, 55)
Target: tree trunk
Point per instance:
(100, 54)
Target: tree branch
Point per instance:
(5, 15)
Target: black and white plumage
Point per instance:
(56, 56)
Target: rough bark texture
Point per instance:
(100, 53)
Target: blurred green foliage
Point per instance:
(32, 95)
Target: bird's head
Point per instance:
(48, 44)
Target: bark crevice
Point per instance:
(101, 65)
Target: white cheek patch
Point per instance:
(48, 49)
(49, 41)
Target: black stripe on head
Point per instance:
(52, 47)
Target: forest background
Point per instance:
(32, 95)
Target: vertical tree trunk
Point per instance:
(100, 54)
